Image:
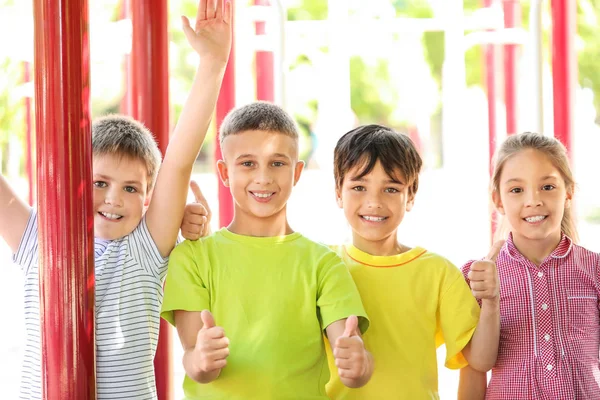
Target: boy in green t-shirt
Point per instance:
(251, 301)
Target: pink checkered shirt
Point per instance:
(549, 325)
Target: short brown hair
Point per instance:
(367, 144)
(123, 136)
(258, 116)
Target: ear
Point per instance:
(498, 202)
(338, 197)
(298, 171)
(569, 198)
(147, 199)
(410, 203)
(223, 173)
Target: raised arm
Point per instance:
(211, 39)
(14, 214)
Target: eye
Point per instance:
(130, 189)
(359, 188)
(391, 190)
(548, 187)
(247, 163)
(516, 190)
(278, 164)
(100, 184)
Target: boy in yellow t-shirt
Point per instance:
(416, 300)
(251, 301)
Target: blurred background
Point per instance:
(427, 68)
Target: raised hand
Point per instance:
(349, 352)
(197, 215)
(483, 275)
(212, 346)
(211, 35)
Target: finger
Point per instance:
(343, 363)
(219, 12)
(217, 355)
(478, 276)
(187, 29)
(211, 9)
(217, 364)
(193, 236)
(479, 286)
(198, 196)
(217, 344)
(343, 353)
(493, 254)
(194, 218)
(351, 326)
(207, 320)
(227, 12)
(215, 332)
(201, 15)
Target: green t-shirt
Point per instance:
(274, 296)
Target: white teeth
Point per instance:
(537, 218)
(110, 216)
(374, 219)
(262, 195)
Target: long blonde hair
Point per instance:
(556, 153)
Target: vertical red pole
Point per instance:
(29, 171)
(512, 19)
(265, 63)
(564, 68)
(225, 103)
(148, 95)
(64, 164)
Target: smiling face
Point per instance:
(260, 168)
(120, 195)
(374, 204)
(532, 195)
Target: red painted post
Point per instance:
(64, 164)
(148, 102)
(564, 68)
(265, 62)
(225, 103)
(512, 19)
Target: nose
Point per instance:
(263, 176)
(533, 198)
(113, 197)
(374, 200)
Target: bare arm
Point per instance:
(205, 345)
(482, 350)
(14, 214)
(211, 39)
(354, 363)
(472, 384)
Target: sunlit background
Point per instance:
(345, 62)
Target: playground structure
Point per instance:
(63, 133)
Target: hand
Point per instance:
(211, 37)
(212, 346)
(196, 217)
(483, 275)
(349, 352)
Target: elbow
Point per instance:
(482, 365)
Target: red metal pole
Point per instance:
(265, 62)
(64, 164)
(225, 103)
(148, 95)
(564, 68)
(512, 19)
(29, 171)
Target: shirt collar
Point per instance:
(561, 251)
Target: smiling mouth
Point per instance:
(372, 218)
(537, 218)
(109, 216)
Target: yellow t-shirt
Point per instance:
(416, 301)
(274, 296)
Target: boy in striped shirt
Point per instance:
(133, 236)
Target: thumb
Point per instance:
(496, 247)
(198, 196)
(208, 320)
(351, 326)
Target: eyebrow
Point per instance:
(248, 155)
(108, 178)
(355, 179)
(544, 178)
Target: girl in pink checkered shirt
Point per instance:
(549, 286)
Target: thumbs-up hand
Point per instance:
(349, 352)
(483, 275)
(196, 216)
(212, 346)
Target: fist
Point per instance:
(212, 346)
(196, 216)
(483, 275)
(349, 352)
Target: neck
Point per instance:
(388, 246)
(247, 224)
(536, 250)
